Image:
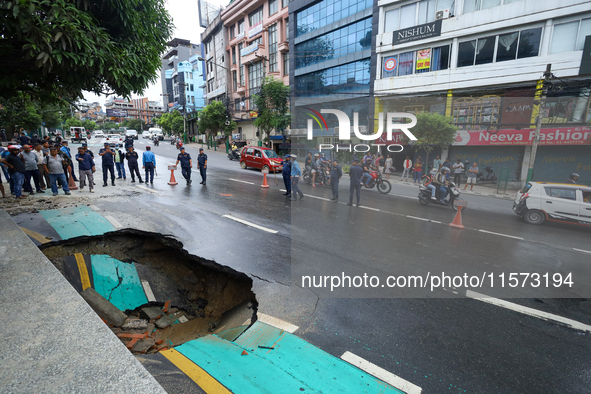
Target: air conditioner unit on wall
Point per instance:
(443, 14)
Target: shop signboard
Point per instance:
(249, 49)
(420, 32)
(424, 59)
(548, 136)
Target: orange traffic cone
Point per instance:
(172, 180)
(457, 222)
(265, 184)
(71, 183)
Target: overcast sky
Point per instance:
(185, 17)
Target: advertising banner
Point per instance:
(118, 113)
(548, 136)
(424, 59)
(249, 49)
(255, 29)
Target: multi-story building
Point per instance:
(89, 111)
(178, 55)
(480, 62)
(141, 108)
(257, 46)
(331, 65)
(213, 41)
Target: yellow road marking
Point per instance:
(35, 235)
(84, 278)
(192, 370)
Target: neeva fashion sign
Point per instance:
(549, 136)
(415, 33)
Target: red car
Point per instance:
(259, 157)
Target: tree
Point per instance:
(171, 122)
(89, 125)
(134, 124)
(432, 130)
(18, 111)
(273, 105)
(110, 125)
(73, 122)
(214, 119)
(58, 48)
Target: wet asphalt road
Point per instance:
(449, 344)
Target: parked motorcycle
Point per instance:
(452, 195)
(488, 177)
(384, 186)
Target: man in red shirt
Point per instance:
(406, 165)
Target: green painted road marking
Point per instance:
(118, 282)
(291, 365)
(77, 221)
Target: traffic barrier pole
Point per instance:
(172, 179)
(71, 183)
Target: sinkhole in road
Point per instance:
(150, 291)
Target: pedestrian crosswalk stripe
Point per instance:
(382, 374)
(198, 375)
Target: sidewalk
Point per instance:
(55, 341)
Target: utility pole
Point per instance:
(534, 148)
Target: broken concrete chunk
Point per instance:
(103, 308)
(183, 319)
(150, 328)
(143, 345)
(135, 324)
(163, 322)
(151, 312)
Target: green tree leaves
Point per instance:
(213, 119)
(57, 48)
(273, 105)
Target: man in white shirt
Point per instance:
(407, 166)
(458, 168)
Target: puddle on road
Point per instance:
(193, 296)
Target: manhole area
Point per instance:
(150, 291)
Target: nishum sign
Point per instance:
(415, 33)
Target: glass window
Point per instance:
(564, 37)
(440, 58)
(327, 12)
(352, 77)
(241, 26)
(286, 63)
(389, 66)
(232, 32)
(234, 80)
(284, 3)
(489, 4)
(567, 194)
(237, 104)
(255, 78)
(255, 17)
(445, 5)
(485, 48)
(341, 42)
(529, 43)
(272, 7)
(584, 31)
(286, 29)
(273, 62)
(507, 48)
(392, 20)
(408, 15)
(466, 53)
(233, 55)
(406, 63)
(242, 75)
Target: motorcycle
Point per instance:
(425, 194)
(322, 176)
(382, 184)
(173, 140)
(179, 144)
(488, 177)
(156, 142)
(234, 155)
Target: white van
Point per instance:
(131, 133)
(156, 132)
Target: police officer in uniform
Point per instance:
(286, 163)
(132, 163)
(202, 164)
(186, 164)
(336, 173)
(108, 164)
